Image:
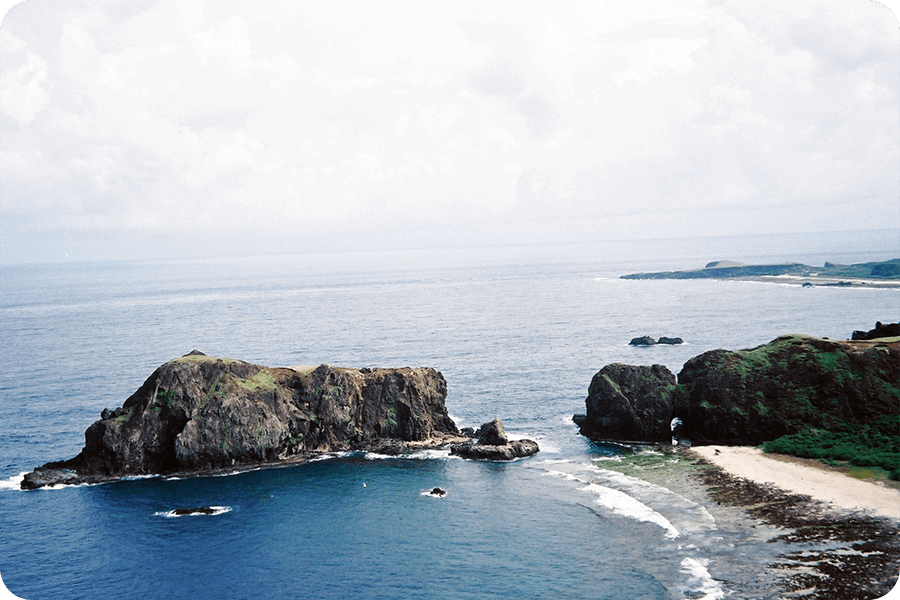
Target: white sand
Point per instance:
(843, 491)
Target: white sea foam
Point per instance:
(700, 580)
(428, 454)
(623, 504)
(217, 510)
(14, 482)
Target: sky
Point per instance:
(157, 128)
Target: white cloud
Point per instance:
(361, 116)
(24, 89)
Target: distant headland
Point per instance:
(873, 274)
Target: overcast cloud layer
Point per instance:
(150, 128)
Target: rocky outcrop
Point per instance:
(647, 340)
(492, 443)
(202, 510)
(748, 396)
(782, 387)
(630, 403)
(881, 331)
(198, 414)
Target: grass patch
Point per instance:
(870, 445)
(198, 358)
(261, 381)
(125, 416)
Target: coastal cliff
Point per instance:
(780, 388)
(750, 396)
(198, 414)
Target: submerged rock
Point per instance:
(199, 414)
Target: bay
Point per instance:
(518, 333)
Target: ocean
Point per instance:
(517, 331)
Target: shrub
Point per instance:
(870, 445)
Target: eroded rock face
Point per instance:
(782, 387)
(198, 413)
(491, 443)
(630, 403)
(492, 434)
(748, 396)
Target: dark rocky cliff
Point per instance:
(750, 396)
(630, 403)
(793, 382)
(200, 414)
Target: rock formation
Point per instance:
(748, 396)
(782, 387)
(647, 340)
(630, 403)
(198, 414)
(881, 331)
(202, 510)
(491, 443)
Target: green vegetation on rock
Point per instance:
(781, 388)
(875, 445)
(261, 381)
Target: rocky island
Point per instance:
(491, 443)
(747, 397)
(198, 414)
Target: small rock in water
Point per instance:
(203, 510)
(438, 492)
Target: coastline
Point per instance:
(841, 491)
(814, 281)
(825, 549)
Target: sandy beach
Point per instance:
(837, 538)
(831, 487)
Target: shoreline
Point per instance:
(815, 281)
(824, 550)
(841, 491)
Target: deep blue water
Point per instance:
(517, 332)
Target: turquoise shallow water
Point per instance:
(517, 335)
